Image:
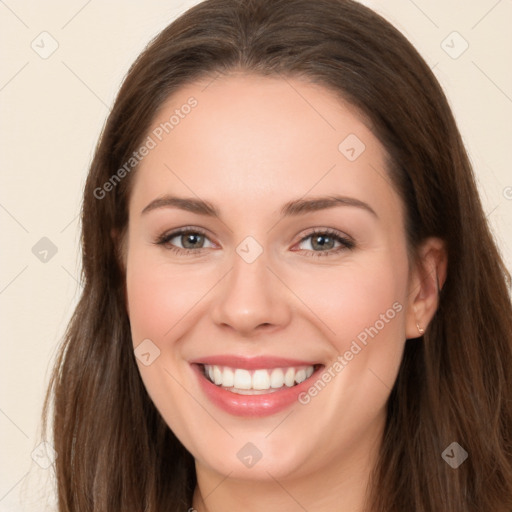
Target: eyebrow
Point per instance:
(292, 208)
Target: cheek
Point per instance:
(161, 300)
(354, 297)
(371, 302)
(160, 296)
(360, 307)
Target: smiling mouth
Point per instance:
(257, 382)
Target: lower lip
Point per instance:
(252, 405)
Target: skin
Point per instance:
(251, 145)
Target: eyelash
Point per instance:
(346, 243)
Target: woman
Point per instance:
(292, 298)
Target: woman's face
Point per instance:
(266, 251)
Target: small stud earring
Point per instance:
(420, 329)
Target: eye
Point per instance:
(325, 242)
(320, 242)
(185, 240)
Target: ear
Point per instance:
(425, 281)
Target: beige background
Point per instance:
(52, 110)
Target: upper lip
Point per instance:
(251, 363)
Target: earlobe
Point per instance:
(427, 280)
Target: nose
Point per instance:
(251, 299)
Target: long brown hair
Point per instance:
(115, 451)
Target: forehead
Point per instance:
(256, 142)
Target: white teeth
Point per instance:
(243, 379)
(255, 382)
(300, 376)
(289, 377)
(217, 375)
(260, 379)
(228, 377)
(277, 378)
